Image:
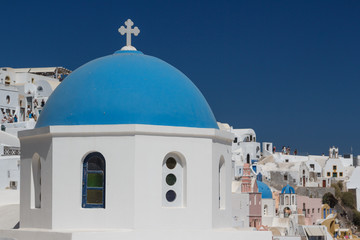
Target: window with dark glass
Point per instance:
(93, 192)
(171, 179)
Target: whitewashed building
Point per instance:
(24, 91)
(146, 162)
(267, 204)
(310, 174)
(9, 161)
(334, 169)
(245, 147)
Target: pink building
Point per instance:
(255, 209)
(310, 207)
(249, 185)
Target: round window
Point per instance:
(171, 163)
(171, 179)
(170, 195)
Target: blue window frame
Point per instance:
(93, 190)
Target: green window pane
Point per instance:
(95, 180)
(94, 196)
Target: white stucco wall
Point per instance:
(9, 99)
(354, 183)
(133, 182)
(240, 209)
(134, 156)
(279, 157)
(9, 171)
(267, 148)
(330, 163)
(310, 163)
(267, 216)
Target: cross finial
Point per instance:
(128, 31)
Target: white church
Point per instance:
(145, 161)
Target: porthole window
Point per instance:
(170, 195)
(39, 88)
(171, 163)
(170, 179)
(173, 170)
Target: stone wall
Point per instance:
(278, 182)
(278, 179)
(315, 192)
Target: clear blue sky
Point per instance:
(288, 69)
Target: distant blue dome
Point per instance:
(127, 87)
(264, 190)
(288, 190)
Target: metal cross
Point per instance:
(128, 31)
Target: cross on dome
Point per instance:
(128, 31)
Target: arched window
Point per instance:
(287, 212)
(248, 158)
(266, 210)
(292, 200)
(93, 192)
(222, 183)
(36, 181)
(7, 80)
(287, 202)
(174, 181)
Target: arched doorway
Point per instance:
(287, 212)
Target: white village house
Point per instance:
(23, 94)
(146, 162)
(25, 90)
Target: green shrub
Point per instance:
(329, 199)
(356, 218)
(341, 185)
(348, 199)
(337, 190)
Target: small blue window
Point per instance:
(93, 191)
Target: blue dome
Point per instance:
(127, 87)
(288, 190)
(264, 190)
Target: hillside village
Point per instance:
(283, 192)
